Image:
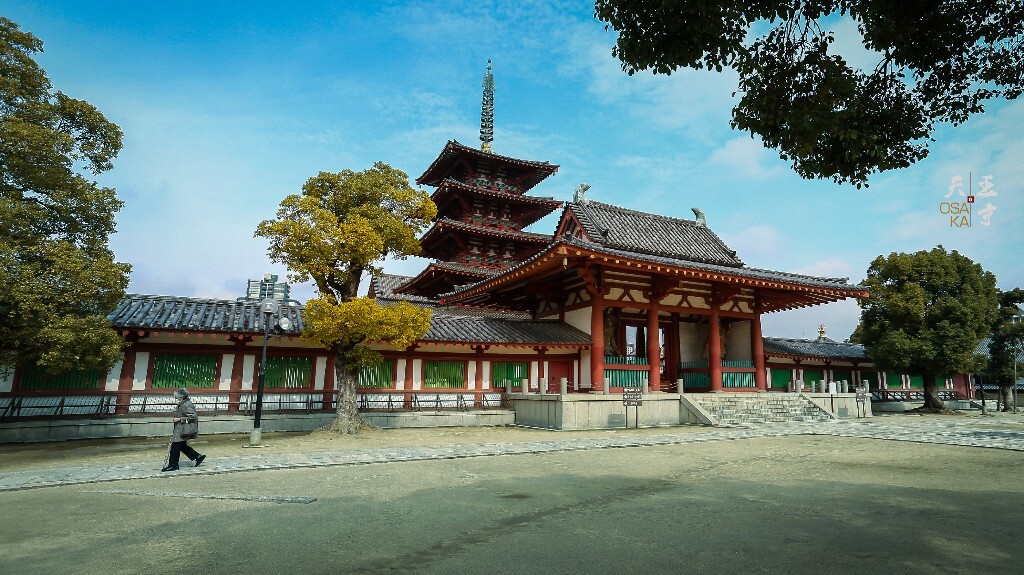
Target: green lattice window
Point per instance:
(289, 372)
(893, 380)
(174, 370)
(34, 377)
(917, 382)
(503, 373)
(444, 374)
(378, 376)
(626, 377)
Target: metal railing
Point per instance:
(914, 395)
(139, 403)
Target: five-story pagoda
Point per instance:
(482, 208)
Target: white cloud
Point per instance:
(747, 157)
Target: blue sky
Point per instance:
(227, 107)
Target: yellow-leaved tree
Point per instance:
(333, 233)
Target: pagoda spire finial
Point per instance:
(487, 111)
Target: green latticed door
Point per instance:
(893, 380)
(289, 372)
(916, 382)
(781, 378)
(37, 378)
(504, 373)
(377, 376)
(813, 376)
(444, 375)
(174, 370)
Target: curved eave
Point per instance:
(439, 168)
(425, 277)
(434, 235)
(801, 357)
(809, 295)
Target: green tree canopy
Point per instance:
(336, 231)
(59, 276)
(939, 61)
(926, 315)
(1006, 348)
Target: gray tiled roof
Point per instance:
(454, 324)
(459, 328)
(384, 287)
(150, 312)
(630, 230)
(822, 347)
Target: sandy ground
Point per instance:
(801, 505)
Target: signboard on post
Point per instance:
(862, 401)
(632, 396)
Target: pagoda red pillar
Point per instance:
(596, 343)
(757, 350)
(714, 350)
(653, 348)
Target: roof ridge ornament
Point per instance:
(487, 111)
(702, 221)
(578, 196)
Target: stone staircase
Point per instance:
(753, 408)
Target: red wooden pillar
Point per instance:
(596, 342)
(757, 345)
(478, 378)
(675, 345)
(235, 395)
(409, 357)
(714, 350)
(329, 380)
(653, 348)
(124, 382)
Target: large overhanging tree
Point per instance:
(939, 61)
(333, 234)
(927, 313)
(59, 278)
(1007, 347)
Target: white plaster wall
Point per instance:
(227, 365)
(141, 370)
(417, 374)
(113, 376)
(691, 342)
(534, 374)
(576, 375)
(400, 374)
(487, 374)
(584, 370)
(321, 373)
(471, 374)
(579, 319)
(248, 369)
(737, 345)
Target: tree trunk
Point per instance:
(1006, 391)
(931, 395)
(346, 419)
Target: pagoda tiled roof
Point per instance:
(438, 170)
(384, 287)
(169, 313)
(639, 232)
(473, 273)
(478, 189)
(820, 348)
(485, 231)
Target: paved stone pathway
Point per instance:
(946, 431)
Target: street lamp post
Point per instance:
(269, 308)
